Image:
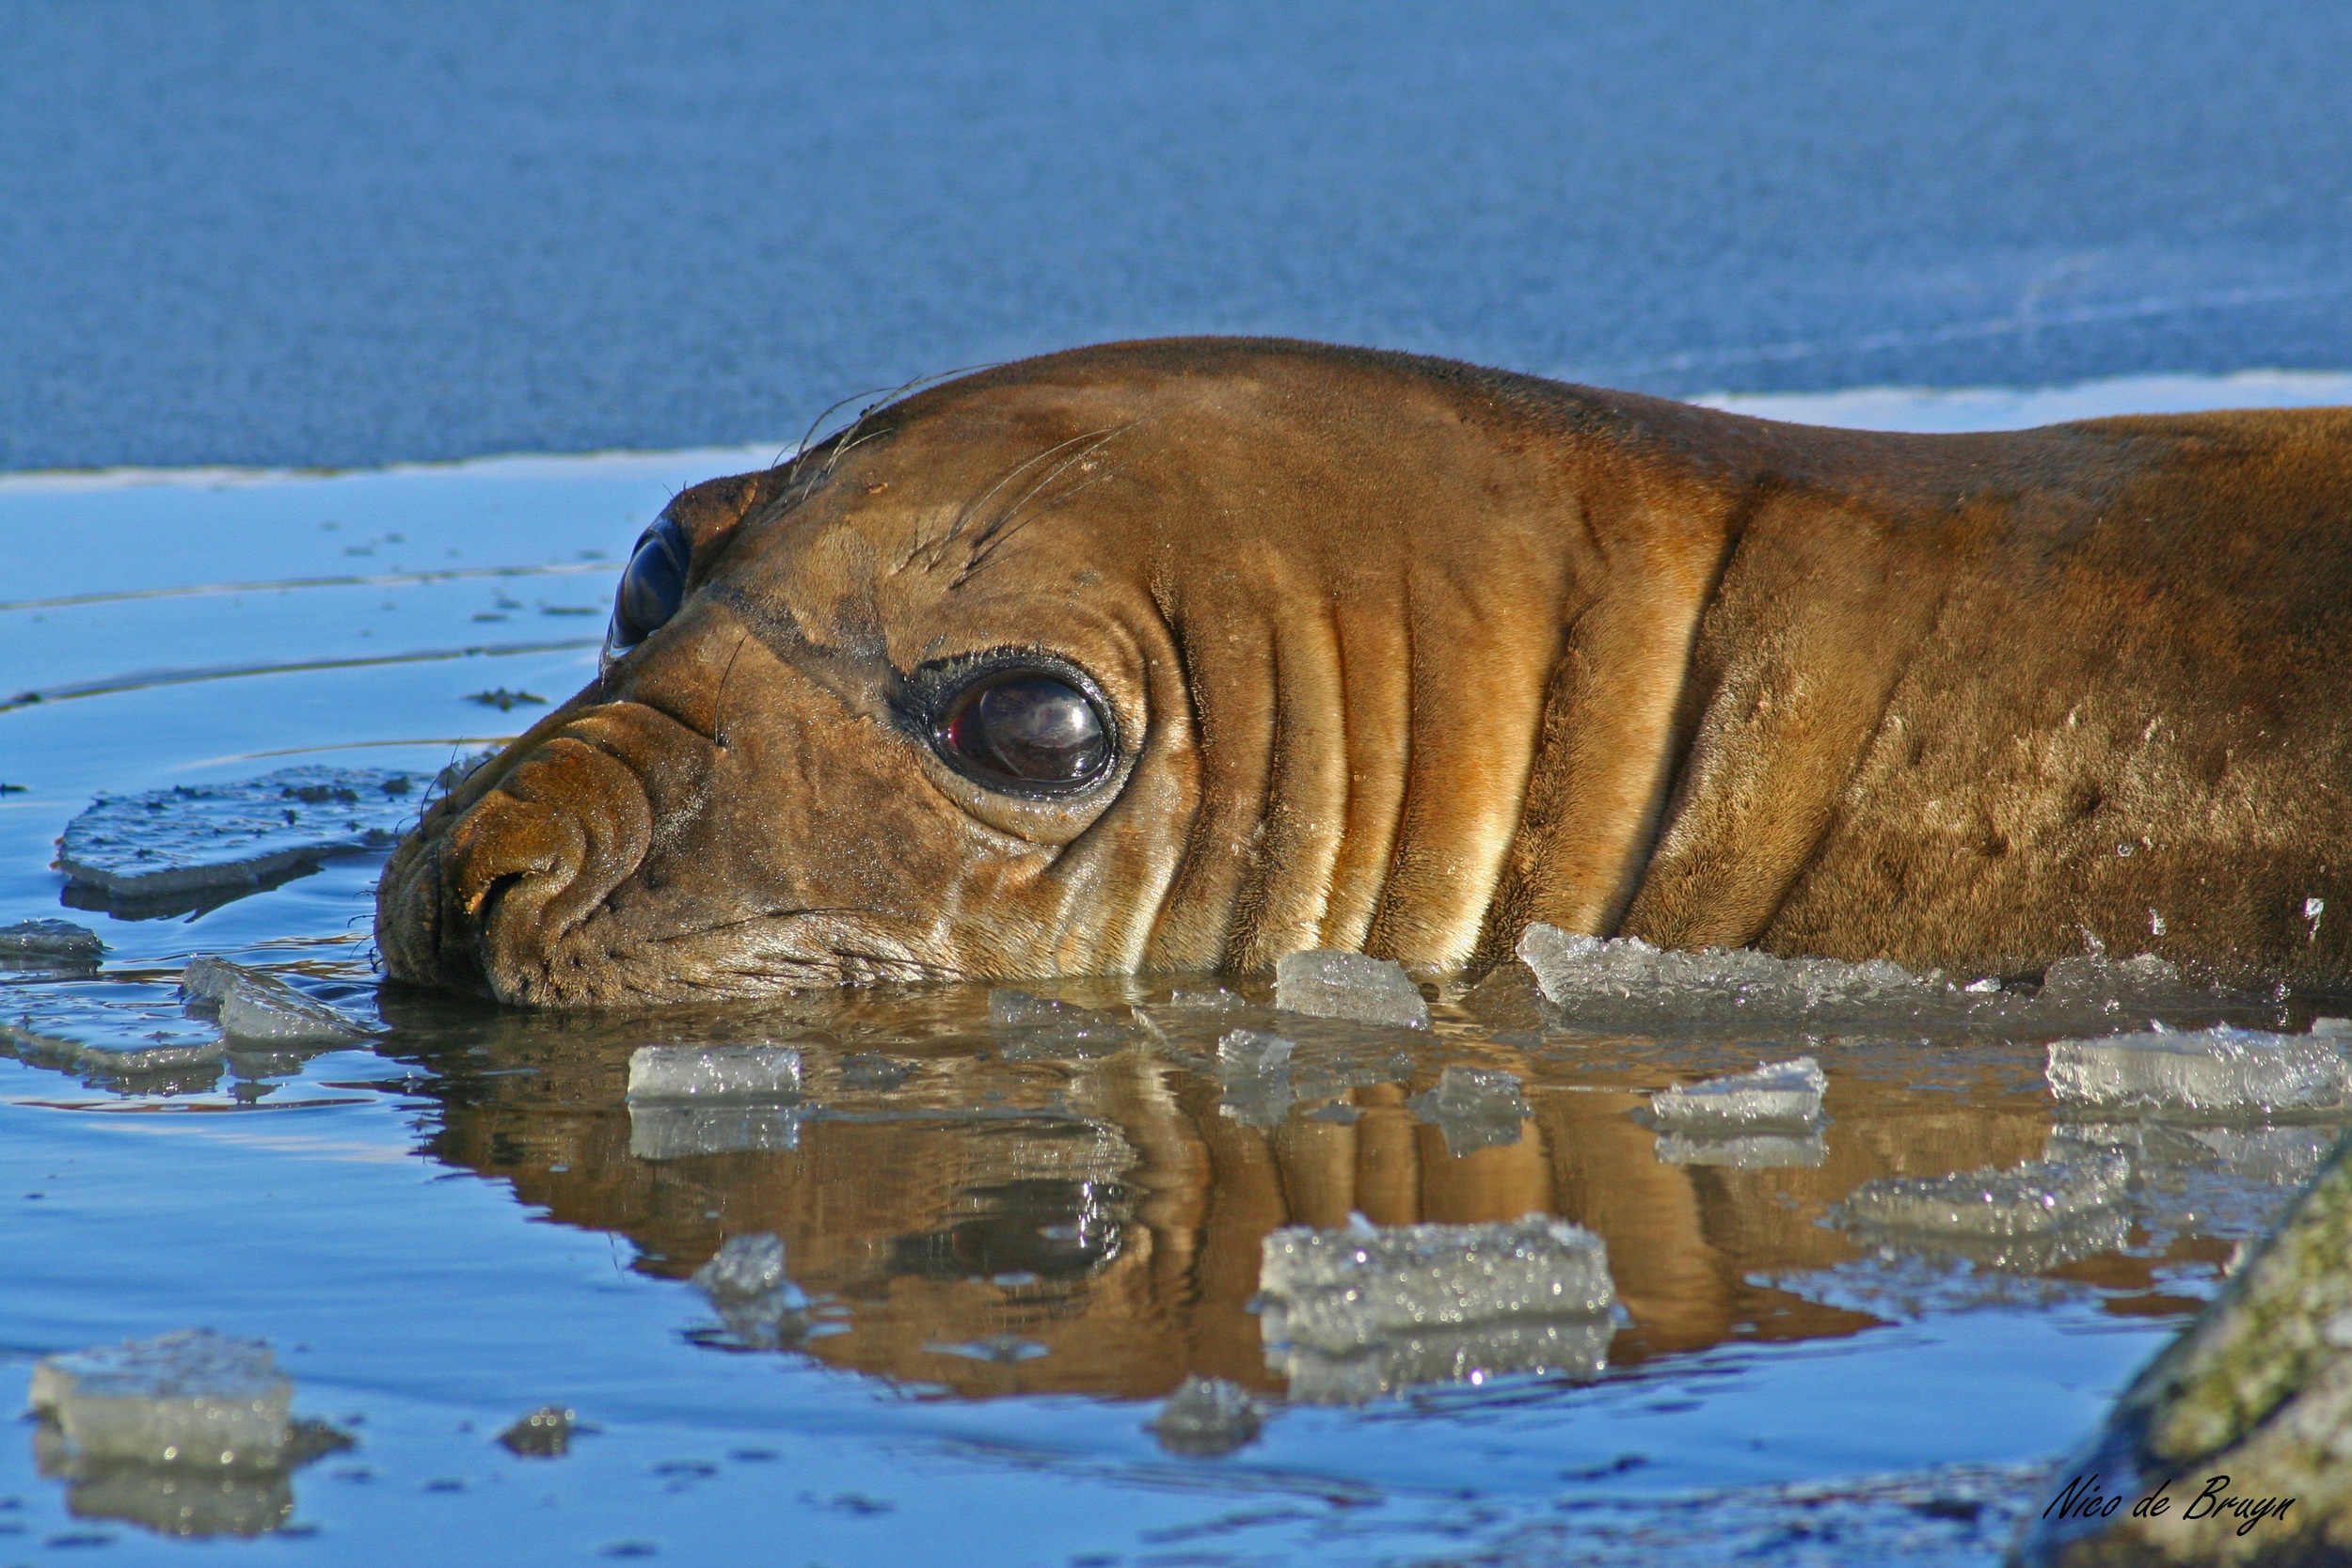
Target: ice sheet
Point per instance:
(193, 839)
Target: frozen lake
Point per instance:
(1011, 1252)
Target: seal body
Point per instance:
(1184, 654)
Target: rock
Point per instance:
(1326, 983)
(2258, 1390)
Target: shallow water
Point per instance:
(1011, 1249)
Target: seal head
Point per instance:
(1186, 655)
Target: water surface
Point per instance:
(1010, 1252)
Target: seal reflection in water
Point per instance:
(1186, 654)
(1111, 1211)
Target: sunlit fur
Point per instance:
(1405, 654)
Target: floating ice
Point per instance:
(1342, 1290)
(1252, 1051)
(2020, 1219)
(1775, 1094)
(544, 1433)
(2208, 1071)
(193, 1399)
(1586, 975)
(1474, 1107)
(2019, 1200)
(747, 1284)
(1215, 999)
(1255, 1069)
(683, 1128)
(713, 1073)
(257, 1006)
(1330, 984)
(197, 839)
(1207, 1416)
(2338, 1027)
(1036, 1026)
(1004, 1350)
(49, 944)
(1745, 1151)
(1574, 1347)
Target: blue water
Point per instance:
(447, 1227)
(302, 233)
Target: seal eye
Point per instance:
(1025, 731)
(651, 586)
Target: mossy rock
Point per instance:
(2257, 1390)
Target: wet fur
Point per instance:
(1418, 653)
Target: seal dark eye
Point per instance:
(651, 586)
(1028, 731)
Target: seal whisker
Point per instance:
(1003, 527)
(964, 513)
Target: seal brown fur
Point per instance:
(1401, 655)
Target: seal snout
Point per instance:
(525, 867)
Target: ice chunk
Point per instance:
(747, 1284)
(257, 1006)
(1992, 1202)
(1575, 1347)
(204, 838)
(2208, 1071)
(683, 1128)
(101, 1052)
(49, 944)
(1587, 976)
(872, 1070)
(1342, 1290)
(1775, 1094)
(1745, 1151)
(1474, 1107)
(1036, 1026)
(1207, 1416)
(713, 1073)
(1216, 999)
(1330, 984)
(544, 1433)
(194, 1398)
(1255, 1069)
(2338, 1028)
(1252, 1051)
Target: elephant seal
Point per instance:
(1184, 654)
